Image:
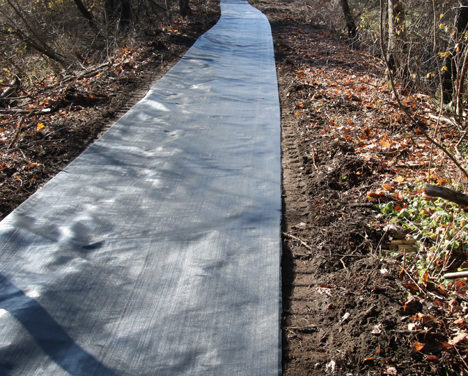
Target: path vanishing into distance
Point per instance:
(157, 251)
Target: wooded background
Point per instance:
(43, 36)
(422, 44)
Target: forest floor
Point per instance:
(348, 307)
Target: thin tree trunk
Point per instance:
(396, 47)
(462, 24)
(125, 14)
(391, 35)
(449, 73)
(350, 24)
(110, 10)
(85, 13)
(184, 8)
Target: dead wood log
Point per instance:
(447, 194)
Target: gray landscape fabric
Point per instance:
(157, 251)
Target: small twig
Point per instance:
(461, 139)
(15, 136)
(299, 240)
(461, 358)
(306, 327)
(344, 265)
(313, 160)
(446, 152)
(20, 151)
(8, 122)
(412, 280)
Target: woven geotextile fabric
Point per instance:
(157, 251)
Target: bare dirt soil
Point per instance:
(347, 309)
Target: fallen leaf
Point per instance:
(425, 276)
(387, 187)
(411, 286)
(446, 345)
(385, 142)
(412, 305)
(418, 346)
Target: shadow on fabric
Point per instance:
(49, 335)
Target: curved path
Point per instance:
(157, 251)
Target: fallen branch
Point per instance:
(15, 136)
(441, 118)
(306, 328)
(454, 275)
(15, 111)
(10, 89)
(447, 194)
(86, 73)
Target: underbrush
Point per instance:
(428, 241)
(437, 227)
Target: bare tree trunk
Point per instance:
(391, 35)
(184, 8)
(125, 14)
(396, 47)
(350, 24)
(118, 11)
(111, 9)
(449, 73)
(85, 13)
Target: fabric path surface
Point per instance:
(157, 251)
